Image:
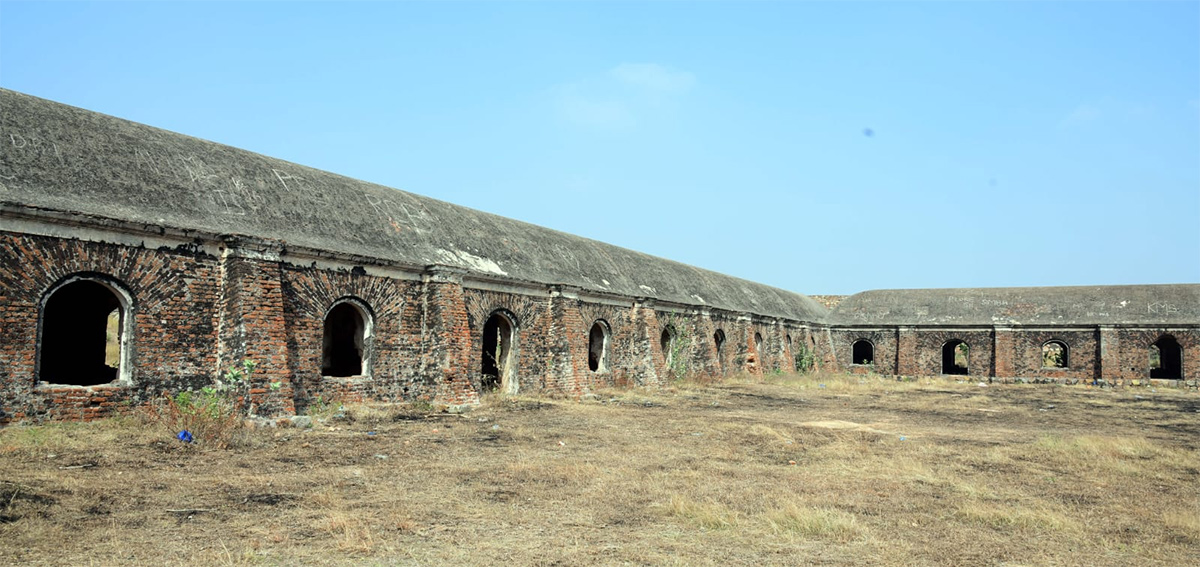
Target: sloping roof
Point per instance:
(64, 158)
(1172, 304)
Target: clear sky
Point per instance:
(817, 147)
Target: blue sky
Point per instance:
(817, 147)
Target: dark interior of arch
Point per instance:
(497, 337)
(863, 352)
(664, 341)
(1170, 359)
(954, 358)
(596, 347)
(342, 348)
(758, 344)
(719, 341)
(74, 335)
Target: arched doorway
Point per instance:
(956, 358)
(862, 352)
(1166, 359)
(666, 341)
(498, 366)
(1055, 354)
(719, 343)
(758, 349)
(345, 340)
(84, 332)
(598, 339)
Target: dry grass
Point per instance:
(783, 471)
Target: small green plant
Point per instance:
(422, 405)
(804, 359)
(678, 348)
(212, 415)
(322, 409)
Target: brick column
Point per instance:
(1002, 353)
(708, 348)
(789, 356)
(446, 337)
(906, 352)
(251, 322)
(568, 342)
(772, 356)
(1108, 367)
(754, 354)
(649, 365)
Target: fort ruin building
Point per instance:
(136, 261)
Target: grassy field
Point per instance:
(816, 470)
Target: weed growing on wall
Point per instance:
(213, 415)
(321, 409)
(804, 359)
(679, 362)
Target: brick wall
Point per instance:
(173, 318)
(884, 347)
(198, 308)
(1107, 355)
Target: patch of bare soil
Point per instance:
(820, 470)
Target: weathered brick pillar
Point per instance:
(251, 322)
(1109, 366)
(568, 344)
(1002, 353)
(739, 346)
(772, 346)
(446, 337)
(826, 358)
(754, 352)
(808, 339)
(789, 355)
(649, 360)
(906, 352)
(707, 349)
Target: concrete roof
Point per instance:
(1171, 304)
(64, 158)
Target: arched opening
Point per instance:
(345, 340)
(84, 332)
(862, 352)
(1054, 354)
(719, 343)
(498, 368)
(1166, 359)
(956, 358)
(758, 348)
(598, 339)
(667, 342)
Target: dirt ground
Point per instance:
(791, 470)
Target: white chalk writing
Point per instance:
(38, 146)
(1161, 308)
